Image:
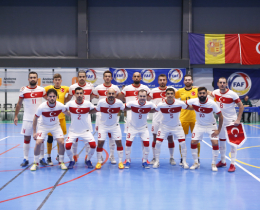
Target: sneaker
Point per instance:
(43, 162)
(49, 161)
(25, 163)
(126, 161)
(127, 165)
(147, 161)
(121, 165)
(89, 164)
(75, 157)
(98, 166)
(86, 157)
(57, 158)
(185, 165)
(214, 167)
(220, 164)
(34, 167)
(180, 162)
(232, 168)
(145, 165)
(194, 166)
(156, 164)
(112, 160)
(152, 161)
(63, 166)
(72, 163)
(172, 161)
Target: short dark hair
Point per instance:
(141, 91)
(188, 75)
(78, 88)
(107, 72)
(52, 91)
(222, 78)
(81, 71)
(162, 75)
(56, 76)
(32, 72)
(202, 88)
(170, 89)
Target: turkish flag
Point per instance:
(250, 49)
(236, 135)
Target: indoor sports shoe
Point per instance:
(25, 163)
(156, 164)
(49, 161)
(89, 164)
(180, 162)
(63, 166)
(127, 164)
(214, 167)
(152, 161)
(145, 165)
(121, 165)
(232, 168)
(34, 167)
(75, 157)
(194, 166)
(185, 165)
(220, 164)
(172, 161)
(98, 166)
(112, 159)
(72, 163)
(43, 162)
(126, 161)
(57, 158)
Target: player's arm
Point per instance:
(216, 132)
(190, 108)
(67, 113)
(153, 111)
(17, 109)
(240, 112)
(93, 111)
(121, 96)
(68, 98)
(34, 126)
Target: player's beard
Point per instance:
(202, 98)
(82, 81)
(33, 83)
(162, 85)
(52, 102)
(111, 98)
(136, 82)
(188, 85)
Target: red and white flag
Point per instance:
(250, 49)
(236, 135)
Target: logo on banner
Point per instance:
(175, 75)
(214, 47)
(91, 76)
(240, 83)
(257, 48)
(120, 75)
(148, 75)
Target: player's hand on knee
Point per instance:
(215, 134)
(35, 136)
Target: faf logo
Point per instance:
(120, 75)
(175, 75)
(148, 75)
(91, 76)
(240, 83)
(214, 47)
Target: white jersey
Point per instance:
(32, 99)
(171, 112)
(109, 111)
(50, 114)
(79, 116)
(204, 111)
(139, 113)
(101, 90)
(226, 101)
(88, 88)
(131, 92)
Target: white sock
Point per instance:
(49, 155)
(194, 153)
(26, 148)
(70, 155)
(99, 155)
(61, 158)
(87, 148)
(112, 146)
(153, 148)
(36, 158)
(222, 149)
(120, 154)
(171, 150)
(75, 148)
(233, 154)
(42, 151)
(215, 153)
(158, 150)
(183, 150)
(128, 152)
(91, 153)
(145, 154)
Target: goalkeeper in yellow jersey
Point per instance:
(62, 91)
(188, 117)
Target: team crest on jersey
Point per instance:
(120, 75)
(240, 83)
(193, 93)
(62, 90)
(91, 76)
(175, 75)
(214, 47)
(148, 75)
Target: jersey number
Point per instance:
(221, 105)
(110, 116)
(34, 101)
(52, 119)
(140, 116)
(128, 135)
(171, 115)
(79, 117)
(202, 115)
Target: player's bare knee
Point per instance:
(119, 143)
(194, 142)
(214, 142)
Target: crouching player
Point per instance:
(80, 127)
(205, 123)
(170, 126)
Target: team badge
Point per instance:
(91, 76)
(120, 75)
(214, 47)
(175, 75)
(236, 135)
(62, 90)
(148, 75)
(193, 93)
(240, 83)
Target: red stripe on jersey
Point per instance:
(33, 95)
(131, 93)
(51, 114)
(159, 95)
(110, 110)
(140, 110)
(102, 92)
(86, 92)
(170, 110)
(237, 100)
(224, 100)
(202, 109)
(79, 110)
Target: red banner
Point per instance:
(236, 135)
(250, 49)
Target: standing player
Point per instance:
(158, 95)
(226, 100)
(188, 117)
(170, 125)
(109, 107)
(49, 122)
(61, 91)
(88, 88)
(79, 111)
(100, 92)
(138, 125)
(31, 95)
(205, 123)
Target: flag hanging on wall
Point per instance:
(250, 49)
(214, 48)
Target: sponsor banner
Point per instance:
(175, 76)
(94, 75)
(242, 82)
(45, 76)
(13, 79)
(250, 49)
(236, 135)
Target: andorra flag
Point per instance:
(214, 48)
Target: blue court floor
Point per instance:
(168, 187)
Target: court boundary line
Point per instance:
(10, 149)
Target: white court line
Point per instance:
(8, 137)
(238, 165)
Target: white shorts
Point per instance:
(86, 136)
(27, 128)
(56, 131)
(115, 132)
(155, 126)
(98, 120)
(90, 123)
(222, 134)
(199, 130)
(143, 133)
(165, 131)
